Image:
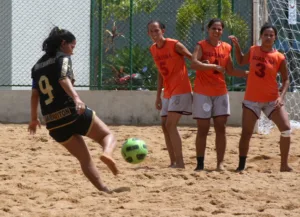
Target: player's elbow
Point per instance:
(286, 81)
(229, 71)
(239, 62)
(242, 61)
(194, 64)
(34, 93)
(34, 96)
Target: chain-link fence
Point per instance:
(122, 59)
(112, 49)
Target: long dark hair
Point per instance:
(52, 44)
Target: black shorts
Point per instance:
(81, 126)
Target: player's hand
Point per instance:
(80, 106)
(234, 40)
(158, 103)
(220, 69)
(32, 126)
(278, 102)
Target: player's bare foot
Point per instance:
(111, 164)
(172, 165)
(220, 167)
(106, 190)
(238, 170)
(199, 168)
(286, 169)
(179, 166)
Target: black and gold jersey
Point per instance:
(58, 108)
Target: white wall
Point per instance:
(32, 21)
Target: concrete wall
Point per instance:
(113, 107)
(117, 107)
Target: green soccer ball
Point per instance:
(134, 150)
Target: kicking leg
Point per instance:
(77, 147)
(101, 134)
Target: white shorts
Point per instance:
(205, 107)
(181, 103)
(257, 107)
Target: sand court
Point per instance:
(38, 177)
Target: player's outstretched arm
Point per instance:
(66, 84)
(230, 70)
(242, 59)
(34, 121)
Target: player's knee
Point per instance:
(202, 132)
(170, 125)
(286, 133)
(163, 121)
(247, 133)
(220, 129)
(85, 160)
(163, 126)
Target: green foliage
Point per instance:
(119, 9)
(119, 63)
(239, 28)
(194, 12)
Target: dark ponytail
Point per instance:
(52, 44)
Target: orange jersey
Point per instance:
(171, 66)
(261, 83)
(210, 82)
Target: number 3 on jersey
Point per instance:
(46, 88)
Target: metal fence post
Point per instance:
(100, 60)
(131, 41)
(233, 56)
(92, 44)
(219, 8)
